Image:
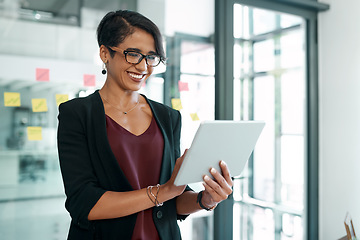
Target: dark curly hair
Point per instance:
(116, 26)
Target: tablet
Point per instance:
(230, 141)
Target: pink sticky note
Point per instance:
(183, 86)
(89, 80)
(42, 74)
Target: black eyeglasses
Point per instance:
(134, 57)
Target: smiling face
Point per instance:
(124, 75)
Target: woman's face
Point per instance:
(126, 75)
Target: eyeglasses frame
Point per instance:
(125, 52)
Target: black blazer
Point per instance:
(89, 168)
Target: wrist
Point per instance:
(202, 205)
(153, 194)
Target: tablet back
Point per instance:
(230, 141)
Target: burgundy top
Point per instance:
(140, 159)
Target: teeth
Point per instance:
(135, 75)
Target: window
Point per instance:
(269, 85)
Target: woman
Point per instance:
(120, 152)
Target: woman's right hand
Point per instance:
(169, 186)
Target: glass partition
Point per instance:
(49, 54)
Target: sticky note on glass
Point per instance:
(42, 74)
(11, 99)
(39, 105)
(176, 103)
(89, 80)
(60, 98)
(194, 116)
(34, 133)
(183, 86)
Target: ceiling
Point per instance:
(66, 11)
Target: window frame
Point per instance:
(224, 42)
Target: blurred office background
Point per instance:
(291, 63)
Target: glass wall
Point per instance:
(190, 83)
(49, 54)
(269, 85)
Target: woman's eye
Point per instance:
(133, 54)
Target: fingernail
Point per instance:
(223, 163)
(206, 178)
(212, 170)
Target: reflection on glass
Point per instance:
(197, 58)
(31, 188)
(198, 97)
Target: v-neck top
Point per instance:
(140, 158)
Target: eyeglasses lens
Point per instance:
(135, 58)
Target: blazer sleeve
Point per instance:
(80, 182)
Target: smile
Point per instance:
(136, 76)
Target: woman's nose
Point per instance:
(142, 65)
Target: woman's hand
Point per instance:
(217, 189)
(169, 186)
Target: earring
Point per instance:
(103, 68)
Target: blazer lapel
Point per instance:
(167, 161)
(104, 151)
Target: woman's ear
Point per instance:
(104, 53)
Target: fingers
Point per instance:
(177, 166)
(179, 162)
(169, 187)
(220, 187)
(226, 173)
(219, 184)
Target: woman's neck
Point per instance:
(119, 97)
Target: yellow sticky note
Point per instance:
(39, 105)
(11, 99)
(60, 98)
(194, 116)
(176, 103)
(34, 133)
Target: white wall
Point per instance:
(339, 103)
(186, 16)
(191, 17)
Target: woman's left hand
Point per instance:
(218, 188)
